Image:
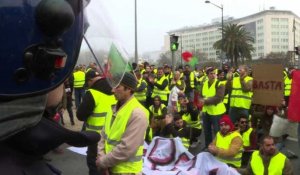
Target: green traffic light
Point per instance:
(174, 46)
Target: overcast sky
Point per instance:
(156, 17)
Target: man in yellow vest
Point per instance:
(161, 86)
(122, 138)
(95, 107)
(241, 93)
(176, 127)
(249, 137)
(190, 114)
(79, 81)
(212, 94)
(288, 85)
(141, 89)
(158, 112)
(189, 78)
(268, 160)
(228, 144)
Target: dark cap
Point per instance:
(129, 81)
(91, 74)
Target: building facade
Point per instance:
(272, 30)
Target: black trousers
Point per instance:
(91, 160)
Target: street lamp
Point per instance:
(135, 33)
(220, 7)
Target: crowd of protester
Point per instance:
(182, 102)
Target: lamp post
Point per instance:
(220, 7)
(135, 33)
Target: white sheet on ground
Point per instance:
(81, 151)
(169, 157)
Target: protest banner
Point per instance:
(268, 85)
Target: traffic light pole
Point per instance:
(173, 61)
(173, 47)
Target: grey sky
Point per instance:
(156, 17)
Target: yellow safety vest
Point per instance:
(181, 75)
(192, 79)
(239, 98)
(157, 114)
(207, 92)
(224, 142)
(79, 79)
(193, 124)
(275, 167)
(88, 69)
(103, 108)
(185, 141)
(225, 100)
(287, 86)
(246, 137)
(141, 96)
(113, 132)
(163, 94)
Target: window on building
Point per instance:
(275, 19)
(260, 21)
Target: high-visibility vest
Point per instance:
(287, 86)
(181, 75)
(163, 94)
(192, 79)
(88, 69)
(226, 96)
(246, 137)
(103, 108)
(169, 76)
(157, 114)
(202, 79)
(238, 98)
(179, 83)
(113, 134)
(185, 141)
(79, 79)
(141, 96)
(193, 124)
(207, 92)
(275, 167)
(224, 142)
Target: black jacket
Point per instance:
(87, 105)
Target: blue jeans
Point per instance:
(79, 93)
(210, 122)
(235, 113)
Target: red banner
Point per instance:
(294, 102)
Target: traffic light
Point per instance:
(297, 50)
(173, 42)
